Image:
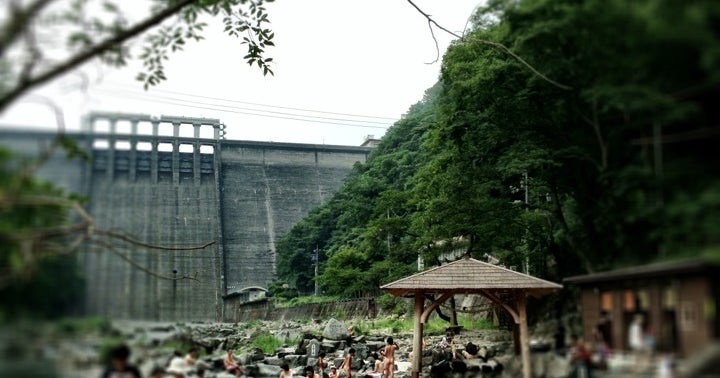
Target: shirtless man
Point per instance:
(310, 372)
(389, 358)
(231, 366)
(347, 362)
(285, 371)
(191, 357)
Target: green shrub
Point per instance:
(392, 305)
(76, 326)
(267, 343)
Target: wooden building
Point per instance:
(678, 303)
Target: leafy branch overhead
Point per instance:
(44, 39)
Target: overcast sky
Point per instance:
(353, 58)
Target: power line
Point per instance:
(265, 105)
(252, 114)
(241, 108)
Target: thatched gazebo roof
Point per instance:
(469, 276)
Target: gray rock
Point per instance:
(276, 361)
(296, 359)
(330, 346)
(264, 370)
(335, 330)
(282, 352)
(374, 346)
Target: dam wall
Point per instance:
(162, 186)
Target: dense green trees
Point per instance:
(618, 169)
(38, 272)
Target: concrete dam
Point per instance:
(175, 181)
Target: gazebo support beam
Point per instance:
(426, 313)
(520, 304)
(512, 311)
(417, 335)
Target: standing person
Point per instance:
(346, 364)
(320, 364)
(231, 366)
(119, 366)
(285, 371)
(388, 354)
(579, 358)
(635, 334)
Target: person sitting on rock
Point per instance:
(333, 372)
(191, 357)
(378, 363)
(471, 351)
(285, 371)
(310, 372)
(321, 364)
(231, 366)
(447, 347)
(157, 372)
(119, 366)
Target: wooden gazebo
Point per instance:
(470, 276)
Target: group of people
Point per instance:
(383, 367)
(178, 366)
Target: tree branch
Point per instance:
(92, 52)
(127, 238)
(598, 135)
(491, 44)
(437, 48)
(134, 264)
(18, 21)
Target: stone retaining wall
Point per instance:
(265, 310)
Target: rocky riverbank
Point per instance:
(78, 351)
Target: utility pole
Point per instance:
(527, 202)
(316, 258)
(658, 165)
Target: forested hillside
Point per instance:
(612, 160)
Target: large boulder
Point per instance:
(264, 370)
(335, 330)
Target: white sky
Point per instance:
(354, 57)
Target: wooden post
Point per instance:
(417, 336)
(520, 302)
